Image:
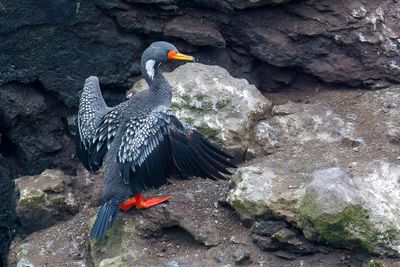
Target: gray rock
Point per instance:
(195, 31)
(64, 244)
(242, 4)
(241, 256)
(33, 128)
(44, 199)
(356, 212)
(293, 241)
(267, 228)
(334, 201)
(265, 243)
(357, 10)
(219, 256)
(393, 135)
(300, 42)
(261, 188)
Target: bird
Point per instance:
(140, 142)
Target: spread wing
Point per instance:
(92, 109)
(154, 144)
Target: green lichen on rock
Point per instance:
(374, 263)
(248, 208)
(207, 130)
(120, 261)
(350, 227)
(121, 239)
(31, 201)
(283, 234)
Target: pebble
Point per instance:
(219, 256)
(234, 240)
(353, 165)
(241, 256)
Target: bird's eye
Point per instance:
(171, 54)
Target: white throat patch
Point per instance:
(150, 68)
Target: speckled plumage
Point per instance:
(140, 140)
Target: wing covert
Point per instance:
(154, 145)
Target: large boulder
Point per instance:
(223, 108)
(357, 212)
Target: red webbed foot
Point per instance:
(142, 203)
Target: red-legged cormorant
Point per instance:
(141, 140)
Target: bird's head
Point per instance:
(159, 52)
(163, 52)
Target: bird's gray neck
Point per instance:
(154, 78)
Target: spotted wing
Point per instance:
(153, 145)
(105, 134)
(92, 108)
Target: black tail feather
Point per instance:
(104, 220)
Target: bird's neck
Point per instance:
(154, 78)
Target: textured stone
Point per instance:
(254, 3)
(333, 201)
(195, 31)
(267, 228)
(43, 199)
(64, 244)
(333, 208)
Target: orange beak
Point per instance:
(173, 55)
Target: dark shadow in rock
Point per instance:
(8, 222)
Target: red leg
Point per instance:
(141, 203)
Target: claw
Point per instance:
(141, 203)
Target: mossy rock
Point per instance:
(121, 240)
(349, 228)
(32, 201)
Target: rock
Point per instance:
(44, 200)
(393, 135)
(318, 182)
(285, 255)
(265, 243)
(331, 207)
(241, 256)
(241, 4)
(64, 244)
(296, 124)
(8, 220)
(301, 42)
(121, 240)
(357, 10)
(195, 31)
(293, 241)
(223, 108)
(252, 192)
(333, 201)
(219, 257)
(267, 228)
(34, 128)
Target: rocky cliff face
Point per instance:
(47, 49)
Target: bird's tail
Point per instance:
(104, 220)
